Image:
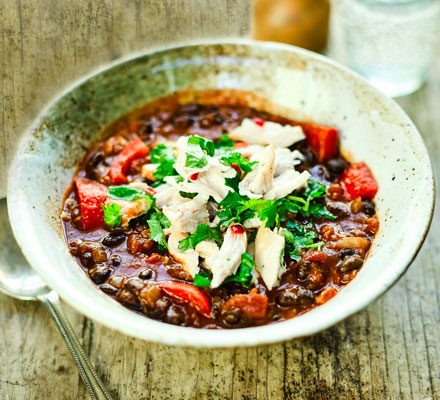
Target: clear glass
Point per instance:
(390, 42)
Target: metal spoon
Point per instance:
(18, 280)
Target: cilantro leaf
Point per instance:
(156, 231)
(205, 144)
(266, 210)
(224, 141)
(243, 275)
(195, 159)
(202, 279)
(202, 233)
(319, 211)
(242, 162)
(164, 156)
(127, 193)
(314, 190)
(187, 195)
(300, 237)
(112, 214)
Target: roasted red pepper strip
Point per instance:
(358, 181)
(322, 139)
(135, 149)
(189, 294)
(91, 196)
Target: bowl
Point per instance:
(302, 84)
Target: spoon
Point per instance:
(19, 280)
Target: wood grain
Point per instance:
(46, 44)
(391, 350)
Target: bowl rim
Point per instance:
(159, 332)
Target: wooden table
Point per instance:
(391, 350)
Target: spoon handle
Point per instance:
(88, 374)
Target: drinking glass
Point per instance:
(390, 42)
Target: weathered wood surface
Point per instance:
(46, 44)
(389, 351)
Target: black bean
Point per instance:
(75, 246)
(351, 263)
(303, 270)
(347, 252)
(109, 289)
(232, 317)
(337, 165)
(183, 121)
(338, 209)
(134, 285)
(295, 296)
(128, 298)
(114, 239)
(146, 273)
(100, 273)
(320, 173)
(93, 163)
(368, 208)
(190, 108)
(174, 315)
(86, 259)
(116, 260)
(160, 308)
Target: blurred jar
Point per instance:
(302, 23)
(390, 42)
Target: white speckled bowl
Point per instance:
(373, 129)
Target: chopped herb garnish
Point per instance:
(155, 223)
(112, 215)
(202, 279)
(164, 156)
(242, 162)
(265, 209)
(243, 275)
(187, 195)
(203, 232)
(129, 193)
(195, 159)
(300, 237)
(205, 144)
(224, 141)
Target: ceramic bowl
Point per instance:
(373, 128)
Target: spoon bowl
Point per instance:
(17, 278)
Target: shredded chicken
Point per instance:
(286, 159)
(286, 183)
(189, 259)
(210, 182)
(148, 170)
(168, 193)
(207, 248)
(252, 223)
(226, 261)
(260, 179)
(269, 248)
(187, 215)
(268, 133)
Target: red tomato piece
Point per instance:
(91, 196)
(326, 295)
(189, 294)
(135, 149)
(322, 139)
(358, 181)
(252, 305)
